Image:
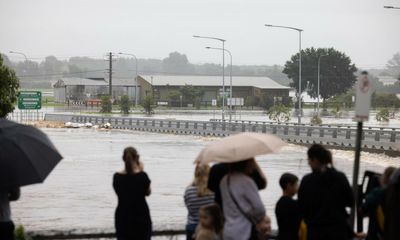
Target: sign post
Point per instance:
(363, 102)
(29, 100)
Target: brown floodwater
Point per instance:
(78, 193)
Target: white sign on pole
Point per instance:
(363, 97)
(214, 102)
(235, 101)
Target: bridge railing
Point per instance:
(344, 136)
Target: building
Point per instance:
(258, 88)
(84, 89)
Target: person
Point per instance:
(323, 197)
(211, 223)
(217, 173)
(373, 206)
(132, 185)
(392, 208)
(6, 224)
(196, 196)
(243, 208)
(287, 209)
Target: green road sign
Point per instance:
(29, 100)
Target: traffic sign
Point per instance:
(363, 97)
(29, 100)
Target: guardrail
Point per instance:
(339, 136)
(25, 116)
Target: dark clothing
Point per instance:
(7, 230)
(289, 218)
(372, 201)
(132, 217)
(323, 198)
(218, 172)
(190, 231)
(392, 208)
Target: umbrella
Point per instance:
(240, 147)
(27, 155)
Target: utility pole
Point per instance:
(110, 76)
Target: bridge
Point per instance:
(374, 138)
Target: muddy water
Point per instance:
(78, 193)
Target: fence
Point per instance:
(25, 116)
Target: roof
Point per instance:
(238, 81)
(62, 82)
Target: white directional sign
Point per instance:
(363, 97)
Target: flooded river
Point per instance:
(78, 193)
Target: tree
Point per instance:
(279, 113)
(192, 94)
(337, 72)
(393, 66)
(106, 105)
(177, 63)
(9, 85)
(174, 95)
(125, 104)
(148, 104)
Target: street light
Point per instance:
(20, 53)
(223, 69)
(319, 67)
(230, 77)
(136, 81)
(391, 7)
(299, 30)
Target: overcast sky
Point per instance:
(363, 29)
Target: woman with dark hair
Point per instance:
(132, 185)
(243, 208)
(323, 197)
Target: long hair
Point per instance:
(201, 179)
(214, 211)
(130, 157)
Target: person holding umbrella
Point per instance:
(243, 209)
(6, 224)
(27, 156)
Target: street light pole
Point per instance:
(223, 70)
(319, 67)
(136, 78)
(299, 93)
(20, 53)
(391, 7)
(230, 77)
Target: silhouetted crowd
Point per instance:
(223, 202)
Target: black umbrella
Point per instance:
(27, 155)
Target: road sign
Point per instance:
(214, 102)
(235, 101)
(363, 97)
(29, 100)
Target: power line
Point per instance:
(58, 74)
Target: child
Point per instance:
(287, 210)
(210, 223)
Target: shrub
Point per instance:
(125, 104)
(316, 120)
(382, 115)
(279, 113)
(106, 105)
(148, 104)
